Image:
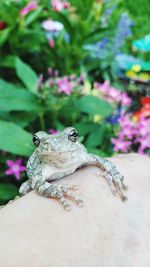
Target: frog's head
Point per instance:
(61, 141)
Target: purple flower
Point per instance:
(53, 131)
(65, 86)
(121, 145)
(50, 71)
(113, 119)
(15, 168)
(103, 43)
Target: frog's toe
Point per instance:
(120, 189)
(124, 186)
(73, 187)
(64, 203)
(67, 187)
(74, 198)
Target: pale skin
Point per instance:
(36, 232)
(59, 155)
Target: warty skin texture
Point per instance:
(59, 155)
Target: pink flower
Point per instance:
(50, 71)
(53, 131)
(121, 145)
(15, 168)
(137, 133)
(65, 86)
(58, 5)
(51, 83)
(114, 94)
(51, 43)
(104, 88)
(127, 132)
(125, 121)
(143, 128)
(144, 131)
(29, 7)
(81, 79)
(125, 99)
(144, 143)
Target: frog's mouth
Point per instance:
(53, 153)
(58, 159)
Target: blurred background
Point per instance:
(81, 63)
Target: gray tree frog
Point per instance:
(59, 155)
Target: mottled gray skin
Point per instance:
(57, 156)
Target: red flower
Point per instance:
(145, 100)
(145, 110)
(2, 25)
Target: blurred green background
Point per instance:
(81, 63)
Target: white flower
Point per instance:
(52, 25)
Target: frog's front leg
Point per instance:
(110, 172)
(25, 188)
(57, 191)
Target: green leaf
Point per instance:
(27, 75)
(8, 61)
(22, 119)
(32, 16)
(8, 191)
(14, 139)
(4, 35)
(98, 152)
(93, 105)
(14, 98)
(85, 127)
(96, 137)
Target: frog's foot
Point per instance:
(109, 180)
(60, 192)
(115, 180)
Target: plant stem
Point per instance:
(42, 122)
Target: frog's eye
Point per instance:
(73, 135)
(36, 140)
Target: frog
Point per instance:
(61, 154)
